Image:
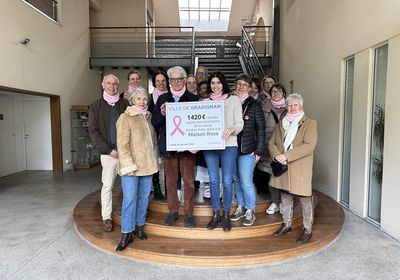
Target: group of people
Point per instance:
(261, 124)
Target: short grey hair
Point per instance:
(109, 75)
(135, 92)
(177, 69)
(295, 97)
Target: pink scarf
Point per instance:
(278, 104)
(266, 95)
(243, 97)
(157, 93)
(178, 93)
(141, 111)
(292, 117)
(111, 99)
(218, 96)
(128, 92)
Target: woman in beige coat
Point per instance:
(293, 142)
(137, 152)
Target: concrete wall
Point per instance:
(119, 13)
(316, 37)
(56, 59)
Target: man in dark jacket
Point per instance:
(176, 161)
(103, 116)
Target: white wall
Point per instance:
(315, 37)
(56, 59)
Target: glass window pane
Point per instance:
(348, 115)
(204, 16)
(205, 4)
(226, 4)
(214, 15)
(215, 4)
(377, 134)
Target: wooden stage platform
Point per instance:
(178, 245)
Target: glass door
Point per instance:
(377, 134)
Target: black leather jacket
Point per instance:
(252, 137)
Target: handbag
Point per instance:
(278, 169)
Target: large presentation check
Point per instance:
(195, 125)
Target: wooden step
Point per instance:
(183, 246)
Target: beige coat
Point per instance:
(297, 180)
(137, 144)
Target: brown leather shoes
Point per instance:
(304, 237)
(283, 230)
(108, 225)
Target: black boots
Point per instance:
(226, 221)
(157, 188)
(125, 240)
(282, 230)
(140, 233)
(216, 219)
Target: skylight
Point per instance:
(205, 15)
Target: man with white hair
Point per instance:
(103, 116)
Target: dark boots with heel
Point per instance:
(226, 221)
(140, 233)
(215, 220)
(125, 240)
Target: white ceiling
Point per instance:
(166, 14)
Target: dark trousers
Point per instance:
(186, 166)
(261, 180)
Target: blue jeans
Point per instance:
(136, 192)
(243, 181)
(228, 159)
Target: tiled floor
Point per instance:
(38, 240)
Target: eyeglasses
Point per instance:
(201, 73)
(242, 84)
(276, 91)
(176, 80)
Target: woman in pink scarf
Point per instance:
(134, 81)
(292, 143)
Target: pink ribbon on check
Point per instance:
(177, 122)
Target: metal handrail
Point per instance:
(260, 36)
(249, 54)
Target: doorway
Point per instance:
(53, 106)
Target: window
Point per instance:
(205, 15)
(45, 7)
(377, 133)
(348, 115)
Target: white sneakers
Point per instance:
(207, 191)
(272, 209)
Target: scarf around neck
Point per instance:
(178, 93)
(128, 92)
(218, 96)
(291, 124)
(157, 93)
(110, 99)
(243, 97)
(141, 111)
(278, 104)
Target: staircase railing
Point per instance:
(255, 42)
(168, 42)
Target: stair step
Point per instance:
(223, 249)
